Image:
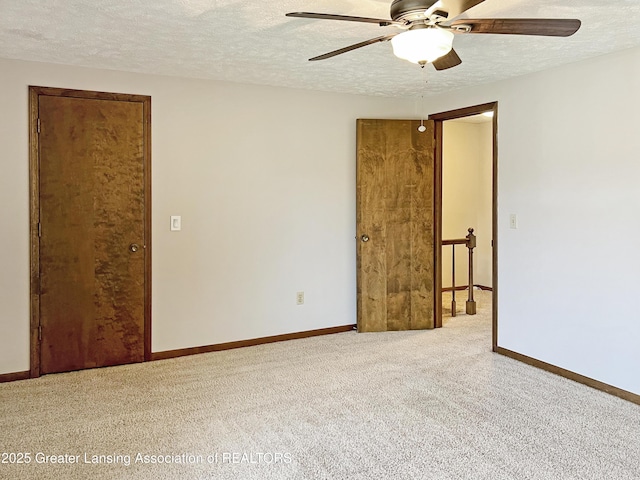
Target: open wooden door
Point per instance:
(90, 229)
(395, 221)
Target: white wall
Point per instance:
(569, 166)
(264, 179)
(467, 169)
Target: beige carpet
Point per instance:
(400, 405)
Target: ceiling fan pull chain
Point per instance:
(425, 77)
(422, 128)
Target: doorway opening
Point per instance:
(466, 270)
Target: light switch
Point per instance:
(176, 223)
(513, 221)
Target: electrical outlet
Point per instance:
(300, 298)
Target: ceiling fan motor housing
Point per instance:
(410, 10)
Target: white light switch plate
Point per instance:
(176, 223)
(513, 221)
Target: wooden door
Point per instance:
(395, 225)
(93, 249)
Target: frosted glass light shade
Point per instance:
(422, 45)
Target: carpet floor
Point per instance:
(398, 405)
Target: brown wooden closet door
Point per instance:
(91, 170)
(395, 225)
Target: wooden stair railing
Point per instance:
(470, 242)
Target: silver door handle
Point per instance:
(364, 238)
(134, 247)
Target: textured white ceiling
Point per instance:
(251, 41)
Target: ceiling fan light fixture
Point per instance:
(422, 45)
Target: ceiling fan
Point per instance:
(429, 27)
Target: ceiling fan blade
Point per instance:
(458, 7)
(548, 27)
(450, 60)
(327, 16)
(353, 47)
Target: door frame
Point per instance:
(34, 208)
(439, 118)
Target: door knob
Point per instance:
(364, 238)
(134, 247)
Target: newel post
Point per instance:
(471, 244)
